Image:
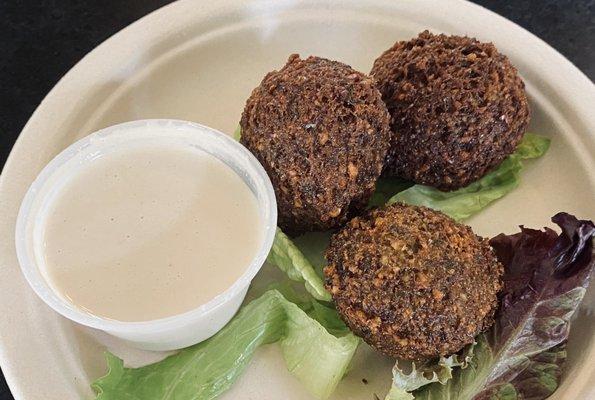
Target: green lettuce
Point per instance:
(461, 204)
(541, 374)
(237, 134)
(290, 259)
(323, 312)
(409, 376)
(386, 188)
(313, 245)
(202, 372)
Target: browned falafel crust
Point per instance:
(458, 108)
(321, 131)
(412, 282)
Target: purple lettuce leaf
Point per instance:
(546, 277)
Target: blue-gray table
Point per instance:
(42, 39)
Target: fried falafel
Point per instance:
(458, 108)
(321, 131)
(412, 282)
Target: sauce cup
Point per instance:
(169, 333)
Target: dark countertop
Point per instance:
(43, 39)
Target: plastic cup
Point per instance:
(168, 333)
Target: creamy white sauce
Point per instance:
(149, 233)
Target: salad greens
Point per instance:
(461, 204)
(237, 134)
(519, 357)
(409, 376)
(386, 188)
(546, 277)
(540, 377)
(204, 371)
(288, 257)
(313, 246)
(323, 312)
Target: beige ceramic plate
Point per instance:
(199, 61)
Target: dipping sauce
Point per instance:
(150, 232)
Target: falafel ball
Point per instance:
(458, 108)
(412, 282)
(321, 131)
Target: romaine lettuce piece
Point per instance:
(461, 204)
(409, 376)
(204, 371)
(237, 134)
(288, 257)
(323, 312)
(386, 188)
(313, 245)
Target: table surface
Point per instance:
(43, 39)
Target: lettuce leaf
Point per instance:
(546, 276)
(409, 376)
(313, 245)
(461, 204)
(323, 312)
(237, 134)
(386, 188)
(288, 257)
(204, 371)
(327, 316)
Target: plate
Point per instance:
(199, 61)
